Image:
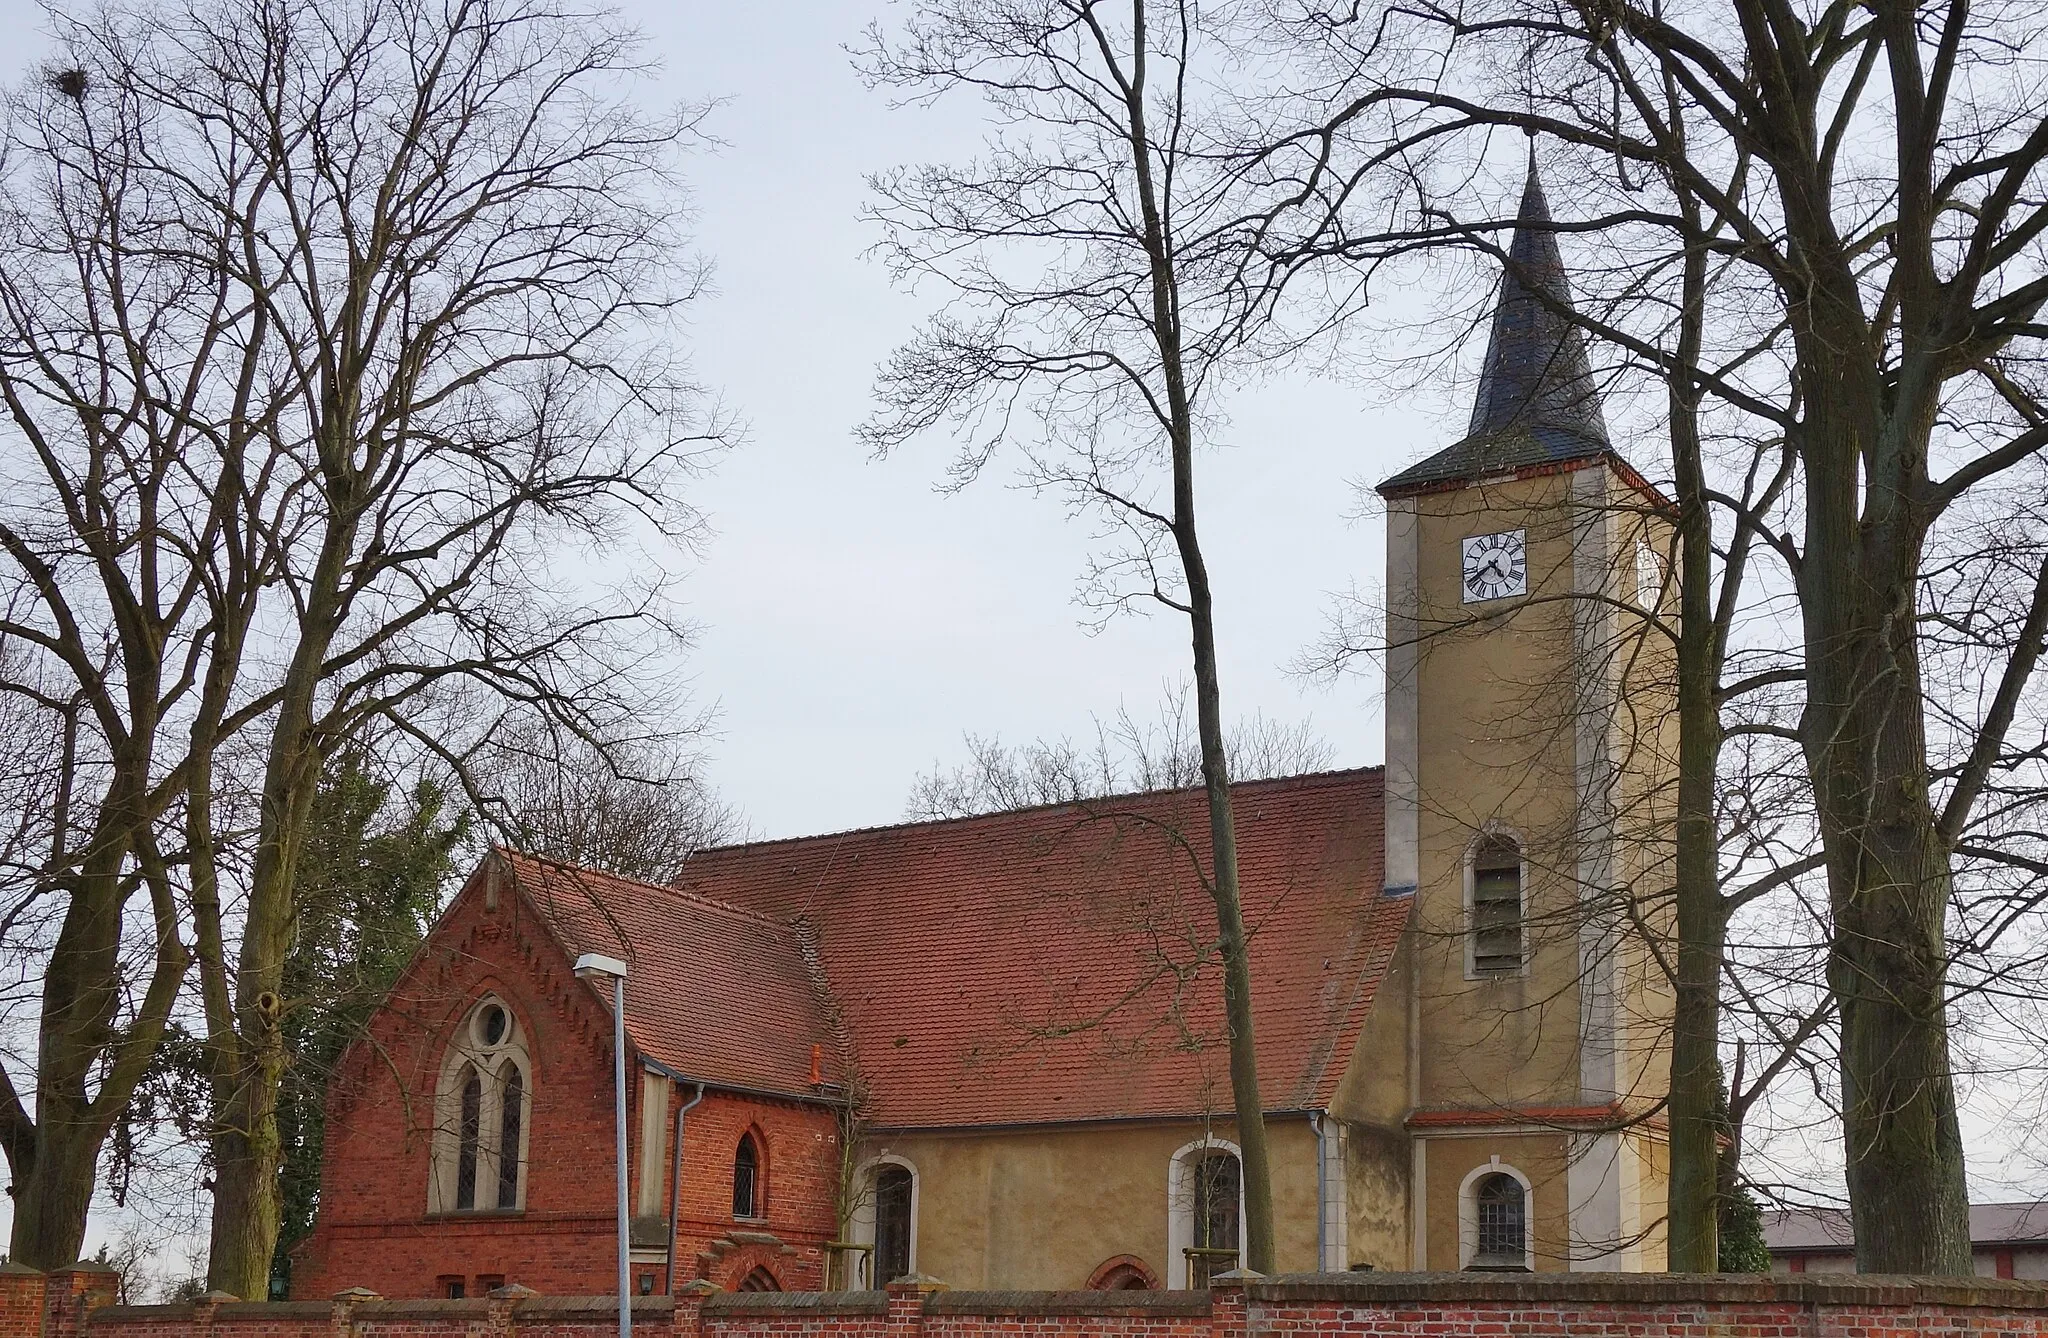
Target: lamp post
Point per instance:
(594, 966)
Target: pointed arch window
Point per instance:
(746, 1179)
(481, 1127)
(511, 1116)
(1495, 880)
(469, 1138)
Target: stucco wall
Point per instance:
(1025, 1208)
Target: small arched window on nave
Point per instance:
(895, 1206)
(480, 1115)
(1501, 1217)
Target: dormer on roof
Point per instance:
(1537, 403)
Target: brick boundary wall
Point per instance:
(78, 1303)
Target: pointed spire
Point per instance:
(1535, 377)
(1537, 400)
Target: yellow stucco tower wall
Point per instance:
(1541, 716)
(1531, 732)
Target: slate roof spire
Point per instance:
(1537, 400)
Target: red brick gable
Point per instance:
(1055, 964)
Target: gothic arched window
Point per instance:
(469, 1138)
(480, 1126)
(746, 1179)
(511, 1116)
(1496, 911)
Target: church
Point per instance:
(991, 1050)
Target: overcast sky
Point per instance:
(856, 623)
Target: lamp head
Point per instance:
(595, 966)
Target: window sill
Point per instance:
(471, 1214)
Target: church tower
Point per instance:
(1530, 726)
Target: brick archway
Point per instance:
(1123, 1273)
(753, 1266)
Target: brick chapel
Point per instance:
(990, 1050)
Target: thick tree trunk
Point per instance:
(53, 1193)
(1694, 1237)
(1693, 1230)
(249, 1053)
(55, 1162)
(1888, 871)
(245, 1197)
(1888, 969)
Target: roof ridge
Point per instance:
(1304, 779)
(670, 889)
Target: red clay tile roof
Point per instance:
(1053, 964)
(713, 991)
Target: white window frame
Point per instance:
(1180, 1205)
(1494, 831)
(1468, 1212)
(861, 1226)
(465, 1050)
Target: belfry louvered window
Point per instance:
(1497, 914)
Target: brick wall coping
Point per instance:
(657, 1309)
(1365, 1291)
(1828, 1289)
(788, 1303)
(272, 1309)
(1067, 1303)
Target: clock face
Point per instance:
(1496, 566)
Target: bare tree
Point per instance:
(1107, 267)
(634, 810)
(334, 345)
(1128, 756)
(1875, 173)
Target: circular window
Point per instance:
(493, 1024)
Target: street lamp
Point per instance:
(594, 966)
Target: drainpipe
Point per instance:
(675, 1194)
(1315, 1124)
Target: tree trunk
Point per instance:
(1889, 883)
(1865, 743)
(54, 1191)
(1693, 1234)
(1257, 1180)
(1235, 951)
(249, 1055)
(245, 1198)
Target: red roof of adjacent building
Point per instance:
(1051, 964)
